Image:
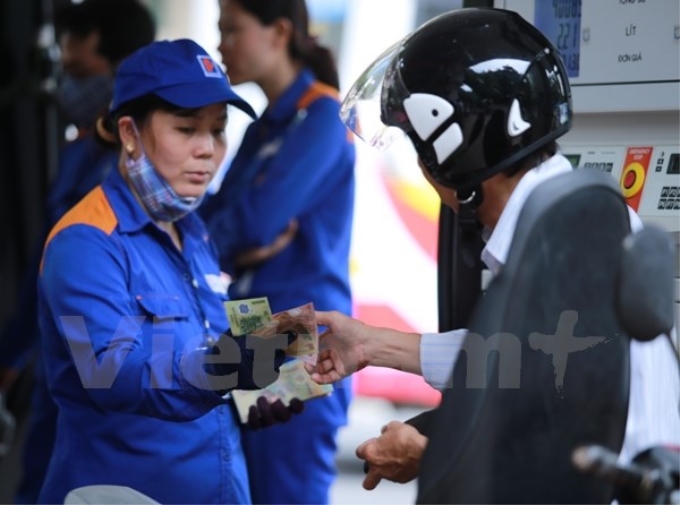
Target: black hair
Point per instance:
(533, 159)
(123, 25)
(138, 109)
(302, 46)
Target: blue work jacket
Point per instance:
(296, 162)
(121, 309)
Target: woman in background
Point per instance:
(282, 220)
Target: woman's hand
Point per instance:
(257, 255)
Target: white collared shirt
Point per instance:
(654, 406)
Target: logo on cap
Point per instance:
(208, 66)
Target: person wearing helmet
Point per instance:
(483, 96)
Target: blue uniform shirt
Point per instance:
(295, 162)
(83, 164)
(120, 307)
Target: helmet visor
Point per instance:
(361, 109)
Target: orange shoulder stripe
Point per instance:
(316, 90)
(93, 210)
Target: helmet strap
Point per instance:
(470, 196)
(470, 199)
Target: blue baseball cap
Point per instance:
(180, 72)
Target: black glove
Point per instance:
(266, 414)
(245, 362)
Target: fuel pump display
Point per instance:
(649, 176)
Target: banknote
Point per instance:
(245, 316)
(293, 382)
(302, 322)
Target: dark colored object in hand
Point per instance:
(266, 414)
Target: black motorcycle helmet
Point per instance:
(476, 91)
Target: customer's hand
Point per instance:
(395, 455)
(342, 347)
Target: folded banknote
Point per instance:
(302, 322)
(245, 316)
(293, 382)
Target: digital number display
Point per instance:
(605, 167)
(560, 22)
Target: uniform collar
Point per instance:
(131, 215)
(286, 105)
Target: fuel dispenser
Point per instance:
(623, 60)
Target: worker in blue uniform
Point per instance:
(92, 43)
(282, 220)
(131, 300)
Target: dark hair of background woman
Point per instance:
(302, 46)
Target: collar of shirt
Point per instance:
(499, 239)
(131, 215)
(282, 110)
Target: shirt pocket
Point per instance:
(164, 311)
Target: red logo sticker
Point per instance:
(210, 69)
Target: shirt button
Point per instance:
(194, 283)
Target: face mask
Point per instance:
(160, 200)
(82, 100)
